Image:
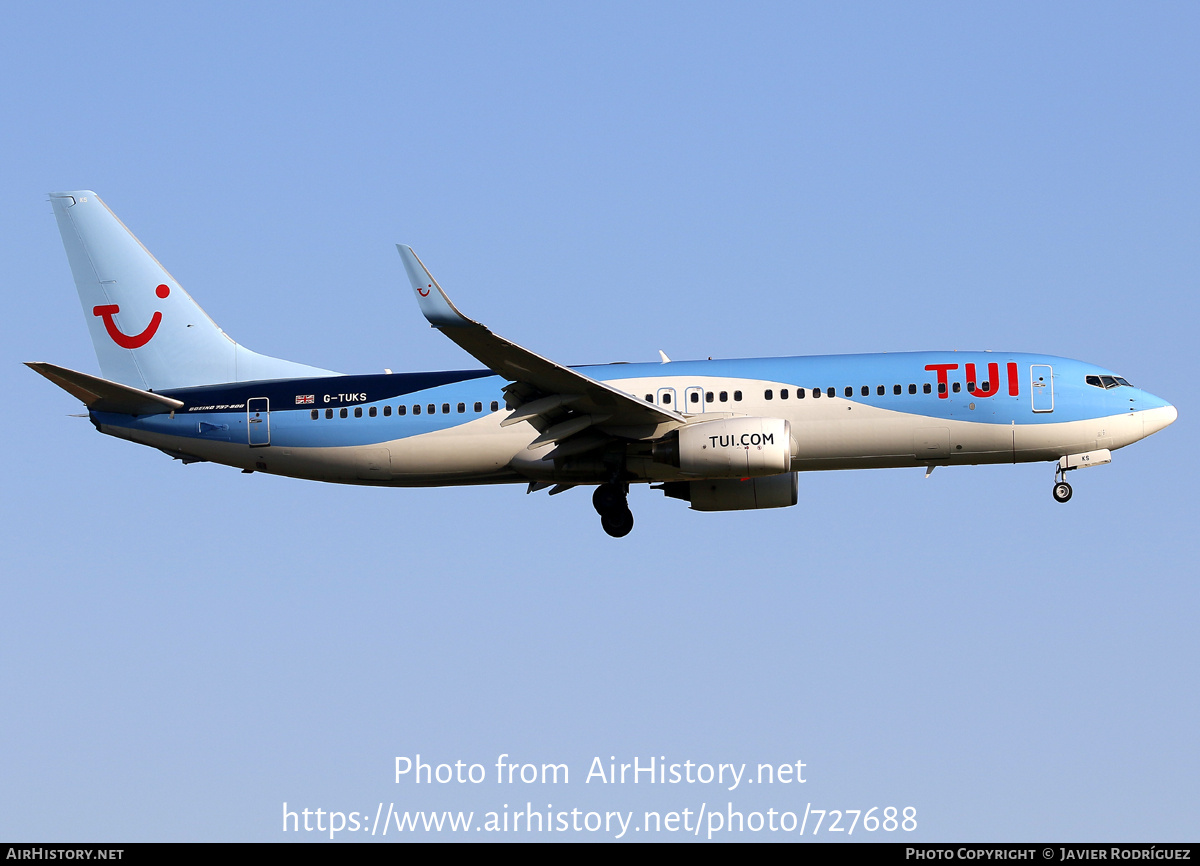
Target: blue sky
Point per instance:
(187, 648)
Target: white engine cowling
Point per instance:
(736, 447)
(736, 494)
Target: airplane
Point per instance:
(722, 435)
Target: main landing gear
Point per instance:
(1062, 490)
(612, 504)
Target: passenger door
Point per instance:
(258, 421)
(1041, 384)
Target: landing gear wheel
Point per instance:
(609, 497)
(1062, 491)
(612, 504)
(618, 524)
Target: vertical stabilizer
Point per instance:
(147, 331)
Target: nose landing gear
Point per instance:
(1071, 462)
(612, 504)
(1062, 490)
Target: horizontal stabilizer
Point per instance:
(101, 395)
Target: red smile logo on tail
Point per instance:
(125, 341)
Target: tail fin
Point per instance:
(147, 331)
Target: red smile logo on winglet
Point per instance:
(424, 293)
(125, 341)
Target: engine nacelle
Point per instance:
(730, 448)
(736, 494)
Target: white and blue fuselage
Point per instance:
(844, 411)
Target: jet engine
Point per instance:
(729, 448)
(735, 494)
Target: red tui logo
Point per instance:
(127, 341)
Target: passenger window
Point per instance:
(445, 408)
(816, 393)
(912, 389)
(896, 389)
(666, 398)
(768, 394)
(328, 414)
(342, 413)
(431, 409)
(957, 387)
(695, 396)
(800, 392)
(849, 391)
(737, 395)
(401, 409)
(649, 398)
(708, 396)
(387, 411)
(358, 411)
(927, 388)
(970, 387)
(724, 396)
(866, 390)
(879, 391)
(315, 413)
(831, 392)
(783, 393)
(941, 387)
(495, 406)
(416, 408)
(478, 406)
(372, 411)
(462, 407)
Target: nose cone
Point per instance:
(1159, 418)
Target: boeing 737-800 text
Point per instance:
(722, 435)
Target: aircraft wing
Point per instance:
(544, 388)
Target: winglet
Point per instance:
(434, 303)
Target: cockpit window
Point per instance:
(1107, 382)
